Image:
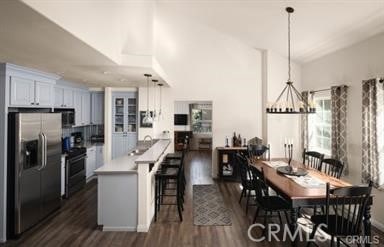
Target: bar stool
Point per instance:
(161, 180)
(175, 164)
(178, 155)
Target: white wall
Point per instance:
(350, 66)
(204, 65)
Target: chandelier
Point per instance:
(290, 101)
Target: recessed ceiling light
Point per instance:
(122, 80)
(106, 72)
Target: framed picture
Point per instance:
(144, 125)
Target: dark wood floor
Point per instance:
(75, 223)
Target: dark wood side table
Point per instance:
(227, 162)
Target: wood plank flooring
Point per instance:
(75, 223)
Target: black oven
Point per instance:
(75, 177)
(67, 117)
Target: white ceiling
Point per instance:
(29, 39)
(318, 27)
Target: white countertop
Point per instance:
(123, 164)
(128, 163)
(153, 154)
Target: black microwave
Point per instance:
(67, 117)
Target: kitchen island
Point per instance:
(126, 189)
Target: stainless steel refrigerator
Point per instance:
(34, 174)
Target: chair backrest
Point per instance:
(332, 167)
(312, 159)
(348, 204)
(259, 183)
(258, 150)
(243, 168)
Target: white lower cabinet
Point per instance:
(91, 162)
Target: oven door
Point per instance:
(75, 175)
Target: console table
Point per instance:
(227, 162)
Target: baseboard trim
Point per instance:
(119, 229)
(378, 225)
(142, 228)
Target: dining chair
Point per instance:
(344, 214)
(259, 150)
(312, 159)
(332, 167)
(246, 182)
(268, 203)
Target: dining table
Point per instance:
(299, 196)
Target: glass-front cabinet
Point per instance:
(132, 115)
(124, 120)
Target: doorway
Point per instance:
(193, 119)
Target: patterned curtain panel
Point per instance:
(304, 124)
(339, 124)
(373, 139)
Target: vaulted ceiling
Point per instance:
(104, 42)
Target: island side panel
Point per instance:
(118, 201)
(146, 192)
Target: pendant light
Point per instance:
(147, 118)
(154, 100)
(285, 103)
(159, 113)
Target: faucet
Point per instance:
(150, 138)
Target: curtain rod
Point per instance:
(325, 89)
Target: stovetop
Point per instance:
(76, 151)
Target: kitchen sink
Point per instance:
(138, 152)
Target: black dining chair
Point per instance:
(245, 178)
(312, 159)
(344, 214)
(259, 151)
(265, 202)
(332, 167)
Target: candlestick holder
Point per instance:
(288, 170)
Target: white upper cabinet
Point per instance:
(22, 92)
(97, 108)
(26, 92)
(59, 92)
(43, 94)
(63, 97)
(86, 108)
(29, 88)
(68, 97)
(82, 106)
(78, 109)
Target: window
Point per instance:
(319, 125)
(201, 118)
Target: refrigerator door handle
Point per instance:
(45, 147)
(42, 151)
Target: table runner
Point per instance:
(306, 181)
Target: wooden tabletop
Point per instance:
(289, 188)
(232, 148)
